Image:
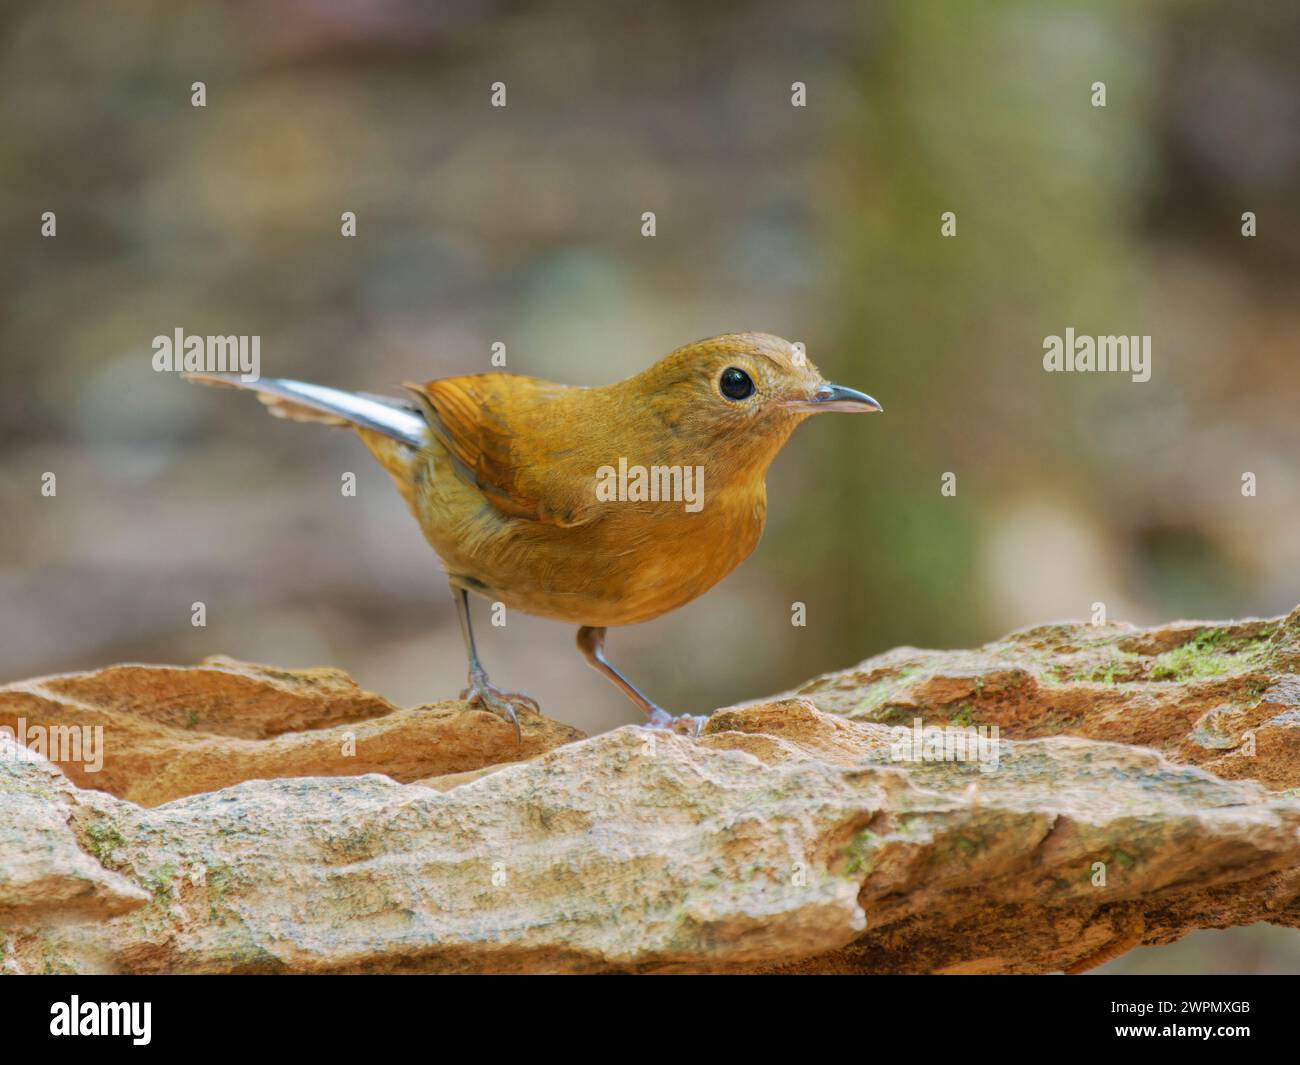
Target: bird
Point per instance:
(598, 506)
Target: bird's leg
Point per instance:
(591, 642)
(480, 690)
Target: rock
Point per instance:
(789, 837)
(1224, 696)
(172, 731)
(45, 871)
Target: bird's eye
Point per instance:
(735, 383)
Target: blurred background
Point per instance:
(523, 225)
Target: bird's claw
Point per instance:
(498, 702)
(682, 724)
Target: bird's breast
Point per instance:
(664, 560)
(634, 561)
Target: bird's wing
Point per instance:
(512, 437)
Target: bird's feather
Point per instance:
(300, 401)
(481, 420)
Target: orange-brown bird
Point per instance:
(596, 506)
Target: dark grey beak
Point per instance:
(837, 397)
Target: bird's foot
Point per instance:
(683, 724)
(498, 702)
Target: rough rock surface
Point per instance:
(1223, 696)
(1142, 788)
(172, 731)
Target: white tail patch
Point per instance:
(302, 402)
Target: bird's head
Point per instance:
(741, 393)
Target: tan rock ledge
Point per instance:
(249, 819)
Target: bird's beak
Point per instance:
(837, 397)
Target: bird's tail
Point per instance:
(302, 402)
(393, 429)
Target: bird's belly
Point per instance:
(574, 579)
(631, 564)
